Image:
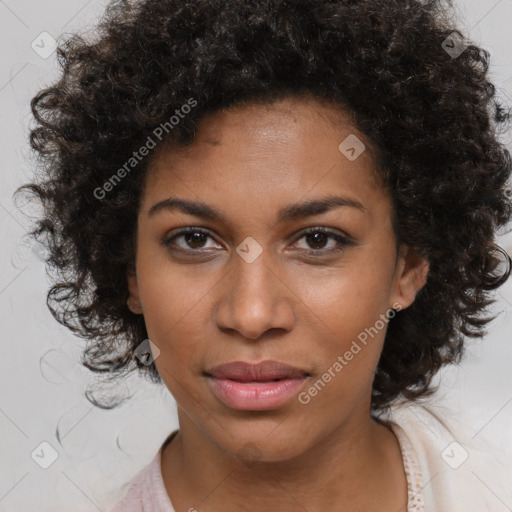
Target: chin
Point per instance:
(253, 444)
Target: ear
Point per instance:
(133, 301)
(410, 276)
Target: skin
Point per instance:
(206, 308)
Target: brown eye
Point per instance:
(193, 239)
(317, 240)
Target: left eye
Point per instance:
(318, 237)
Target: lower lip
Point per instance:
(255, 396)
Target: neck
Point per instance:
(359, 463)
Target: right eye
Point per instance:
(194, 240)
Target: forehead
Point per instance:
(267, 154)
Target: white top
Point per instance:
(445, 473)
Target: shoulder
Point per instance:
(460, 471)
(146, 491)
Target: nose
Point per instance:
(254, 299)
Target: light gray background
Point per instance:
(41, 381)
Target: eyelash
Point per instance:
(167, 242)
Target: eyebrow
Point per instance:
(294, 211)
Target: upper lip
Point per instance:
(265, 370)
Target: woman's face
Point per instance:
(248, 284)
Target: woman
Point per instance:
(285, 211)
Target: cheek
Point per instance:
(176, 313)
(347, 343)
(349, 298)
(346, 316)
(171, 294)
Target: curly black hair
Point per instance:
(402, 69)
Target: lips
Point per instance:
(264, 371)
(255, 387)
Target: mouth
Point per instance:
(264, 371)
(263, 386)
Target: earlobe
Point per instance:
(133, 301)
(411, 275)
